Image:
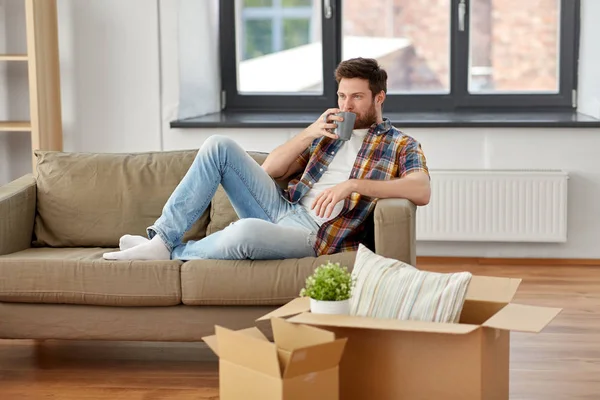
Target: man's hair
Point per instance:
(364, 68)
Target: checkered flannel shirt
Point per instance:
(386, 153)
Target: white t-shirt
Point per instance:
(338, 171)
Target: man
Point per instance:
(321, 212)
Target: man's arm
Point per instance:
(414, 181)
(281, 162)
(414, 186)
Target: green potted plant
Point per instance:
(329, 289)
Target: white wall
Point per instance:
(110, 75)
(120, 84)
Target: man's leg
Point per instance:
(250, 238)
(220, 160)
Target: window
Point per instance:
(439, 54)
(273, 32)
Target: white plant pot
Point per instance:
(330, 307)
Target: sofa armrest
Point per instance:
(17, 214)
(395, 229)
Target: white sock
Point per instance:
(128, 241)
(153, 249)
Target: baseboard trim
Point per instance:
(508, 261)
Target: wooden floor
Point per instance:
(563, 362)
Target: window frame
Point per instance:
(231, 99)
(458, 97)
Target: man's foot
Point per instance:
(128, 241)
(153, 249)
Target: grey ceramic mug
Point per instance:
(344, 128)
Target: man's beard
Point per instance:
(364, 121)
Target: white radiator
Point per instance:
(495, 205)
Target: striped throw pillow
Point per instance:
(388, 288)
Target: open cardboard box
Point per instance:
(302, 364)
(392, 359)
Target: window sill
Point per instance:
(461, 119)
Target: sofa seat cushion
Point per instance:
(246, 282)
(81, 276)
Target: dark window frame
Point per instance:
(456, 100)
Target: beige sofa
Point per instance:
(54, 228)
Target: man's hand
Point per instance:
(281, 162)
(326, 201)
(320, 127)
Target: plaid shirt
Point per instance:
(386, 153)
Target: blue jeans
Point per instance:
(270, 227)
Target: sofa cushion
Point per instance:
(246, 282)
(91, 200)
(81, 276)
(388, 288)
(221, 212)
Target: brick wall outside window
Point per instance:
(517, 40)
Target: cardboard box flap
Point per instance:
(254, 332)
(246, 350)
(492, 289)
(348, 321)
(290, 336)
(294, 307)
(522, 318)
(213, 343)
(314, 358)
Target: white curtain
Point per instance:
(199, 67)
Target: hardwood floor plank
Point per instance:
(508, 261)
(562, 362)
(67, 393)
